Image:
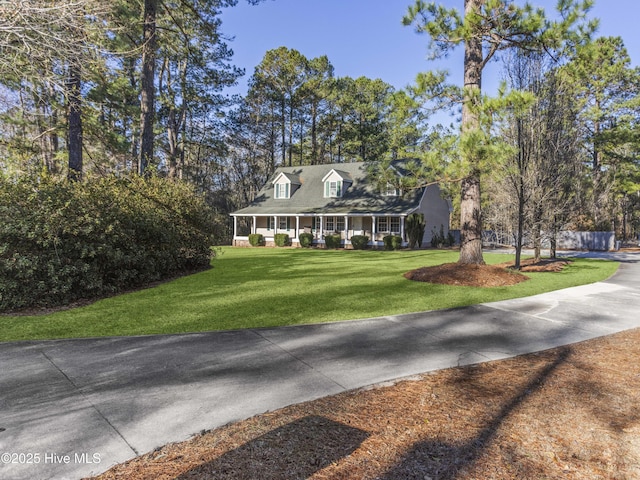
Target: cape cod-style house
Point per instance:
(337, 199)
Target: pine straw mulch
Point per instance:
(566, 413)
(484, 275)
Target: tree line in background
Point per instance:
(93, 89)
(489, 29)
(296, 112)
(575, 162)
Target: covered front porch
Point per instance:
(376, 227)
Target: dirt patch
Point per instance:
(500, 275)
(566, 413)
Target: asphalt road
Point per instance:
(71, 408)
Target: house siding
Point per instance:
(437, 212)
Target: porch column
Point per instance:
(254, 226)
(297, 236)
(402, 227)
(346, 228)
(275, 226)
(373, 229)
(235, 227)
(321, 227)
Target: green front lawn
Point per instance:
(265, 287)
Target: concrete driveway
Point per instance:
(71, 408)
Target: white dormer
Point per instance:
(392, 180)
(336, 183)
(391, 190)
(284, 185)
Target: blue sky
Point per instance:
(366, 37)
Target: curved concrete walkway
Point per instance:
(70, 408)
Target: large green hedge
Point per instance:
(62, 241)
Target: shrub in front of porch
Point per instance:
(415, 225)
(256, 239)
(359, 242)
(392, 242)
(282, 240)
(306, 240)
(333, 241)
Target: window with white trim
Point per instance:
(394, 224)
(382, 224)
(391, 191)
(329, 224)
(284, 223)
(282, 190)
(332, 189)
(334, 224)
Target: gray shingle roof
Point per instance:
(292, 178)
(361, 197)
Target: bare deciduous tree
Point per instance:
(46, 44)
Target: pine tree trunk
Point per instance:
(471, 222)
(470, 206)
(147, 95)
(290, 145)
(283, 128)
(75, 124)
(314, 134)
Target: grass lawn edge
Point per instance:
(228, 296)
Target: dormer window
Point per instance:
(282, 190)
(336, 183)
(333, 189)
(285, 185)
(391, 191)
